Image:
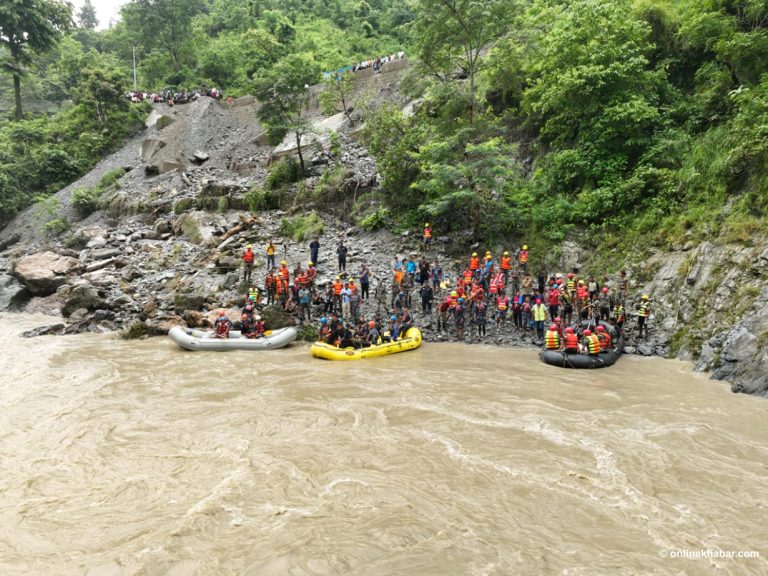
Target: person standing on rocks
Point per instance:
(346, 303)
(365, 282)
(427, 294)
(341, 252)
(247, 263)
(270, 250)
(314, 250)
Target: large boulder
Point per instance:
(12, 293)
(44, 272)
(275, 317)
(81, 296)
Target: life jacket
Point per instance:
(571, 341)
(605, 341)
(311, 273)
(592, 344)
(285, 273)
(552, 340)
(554, 297)
(506, 263)
(477, 293)
(260, 327)
(502, 303)
(337, 287)
(270, 282)
(523, 256)
(539, 313)
(222, 325)
(645, 309)
(427, 232)
(302, 279)
(570, 285)
(494, 285)
(444, 305)
(255, 294)
(282, 286)
(618, 313)
(248, 257)
(398, 277)
(474, 263)
(467, 276)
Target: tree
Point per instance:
(337, 91)
(453, 34)
(284, 95)
(29, 26)
(162, 23)
(87, 16)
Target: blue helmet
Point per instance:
(393, 318)
(461, 299)
(323, 320)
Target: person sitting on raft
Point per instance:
(590, 343)
(552, 338)
(604, 338)
(571, 344)
(222, 326)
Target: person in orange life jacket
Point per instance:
(506, 266)
(222, 326)
(502, 308)
(604, 337)
(270, 250)
(474, 262)
(590, 343)
(247, 263)
(522, 257)
(497, 284)
(571, 345)
(427, 235)
(284, 272)
(552, 338)
(553, 298)
(466, 277)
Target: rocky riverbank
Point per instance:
(163, 246)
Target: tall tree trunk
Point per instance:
(298, 149)
(17, 95)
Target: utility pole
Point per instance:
(134, 67)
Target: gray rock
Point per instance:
(12, 293)
(82, 296)
(57, 328)
(44, 272)
(104, 253)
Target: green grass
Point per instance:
(302, 227)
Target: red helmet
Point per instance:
(569, 330)
(553, 327)
(559, 281)
(570, 274)
(587, 332)
(557, 320)
(601, 328)
(372, 323)
(538, 300)
(222, 313)
(605, 289)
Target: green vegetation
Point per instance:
(301, 227)
(136, 330)
(55, 227)
(285, 171)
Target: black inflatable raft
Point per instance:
(604, 359)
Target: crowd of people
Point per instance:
(374, 63)
(171, 97)
(548, 307)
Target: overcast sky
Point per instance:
(106, 10)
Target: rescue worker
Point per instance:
(247, 326)
(617, 315)
(338, 286)
(474, 262)
(374, 336)
(284, 273)
(590, 343)
(271, 286)
(480, 319)
(427, 235)
(553, 298)
(502, 307)
(222, 326)
(642, 315)
(539, 312)
(247, 263)
(604, 304)
(270, 250)
(325, 330)
(604, 337)
(571, 345)
(552, 338)
(522, 257)
(506, 266)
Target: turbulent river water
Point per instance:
(137, 458)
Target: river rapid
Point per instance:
(137, 458)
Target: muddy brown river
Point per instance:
(137, 458)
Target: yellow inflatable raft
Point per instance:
(410, 341)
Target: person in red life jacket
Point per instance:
(522, 257)
(604, 338)
(506, 266)
(443, 312)
(222, 326)
(271, 285)
(247, 263)
(260, 328)
(474, 262)
(590, 343)
(498, 280)
(461, 282)
(311, 275)
(553, 299)
(467, 276)
(301, 280)
(427, 235)
(477, 294)
(502, 308)
(571, 345)
(552, 338)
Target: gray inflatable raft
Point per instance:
(190, 339)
